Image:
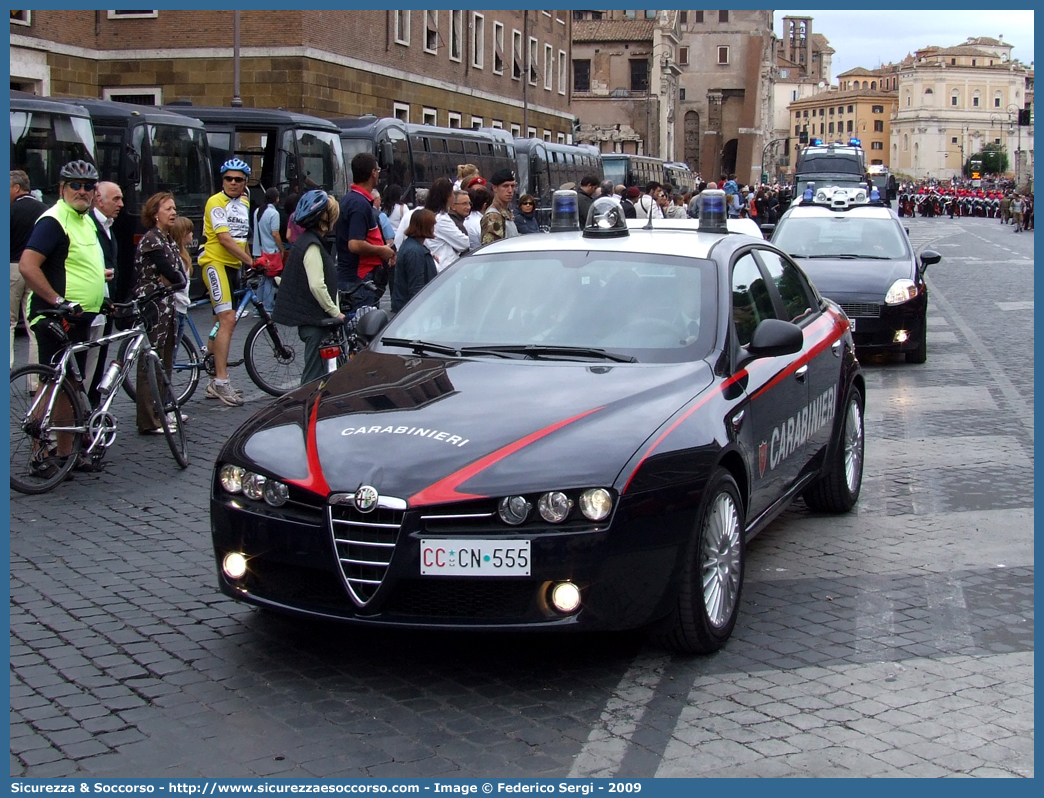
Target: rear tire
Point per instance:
(164, 402)
(274, 364)
(32, 440)
(838, 489)
(188, 363)
(711, 581)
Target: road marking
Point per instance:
(949, 629)
(1015, 305)
(978, 451)
(608, 740)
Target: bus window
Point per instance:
(456, 146)
(252, 146)
(317, 162)
(41, 143)
(220, 147)
(472, 147)
(180, 166)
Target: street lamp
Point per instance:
(1013, 119)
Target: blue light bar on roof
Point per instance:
(855, 143)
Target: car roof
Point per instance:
(745, 226)
(661, 240)
(859, 211)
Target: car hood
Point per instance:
(836, 279)
(432, 430)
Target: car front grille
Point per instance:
(364, 543)
(462, 598)
(861, 310)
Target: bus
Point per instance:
(45, 135)
(414, 156)
(145, 149)
(289, 151)
(680, 176)
(632, 170)
(543, 167)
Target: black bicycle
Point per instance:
(53, 425)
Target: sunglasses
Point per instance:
(235, 179)
(525, 203)
(79, 185)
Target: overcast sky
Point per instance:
(871, 38)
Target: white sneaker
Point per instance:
(226, 393)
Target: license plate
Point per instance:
(475, 558)
(852, 323)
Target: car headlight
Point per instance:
(901, 291)
(514, 510)
(554, 506)
(232, 478)
(276, 493)
(254, 485)
(596, 504)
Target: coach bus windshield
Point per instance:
(180, 165)
(313, 159)
(41, 143)
(615, 169)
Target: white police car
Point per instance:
(857, 253)
(566, 431)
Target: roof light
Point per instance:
(816, 142)
(875, 195)
(855, 143)
(605, 219)
(564, 213)
(809, 193)
(713, 216)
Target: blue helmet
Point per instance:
(310, 207)
(236, 164)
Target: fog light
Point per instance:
(254, 485)
(565, 596)
(596, 503)
(901, 336)
(234, 565)
(514, 510)
(554, 507)
(231, 478)
(276, 493)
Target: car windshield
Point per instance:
(839, 236)
(542, 304)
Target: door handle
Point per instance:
(801, 374)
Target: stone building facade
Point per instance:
(692, 86)
(953, 101)
(505, 69)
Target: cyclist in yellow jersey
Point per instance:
(226, 225)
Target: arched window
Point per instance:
(873, 84)
(929, 90)
(906, 142)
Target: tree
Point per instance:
(990, 160)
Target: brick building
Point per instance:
(505, 69)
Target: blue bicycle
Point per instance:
(273, 354)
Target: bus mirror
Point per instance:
(133, 166)
(387, 154)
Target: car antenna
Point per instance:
(652, 205)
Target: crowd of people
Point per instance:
(995, 198)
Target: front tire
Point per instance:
(188, 363)
(33, 436)
(712, 578)
(838, 489)
(274, 357)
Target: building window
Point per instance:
(878, 126)
(929, 91)
(456, 35)
(496, 124)
(132, 14)
(953, 139)
(831, 110)
(683, 17)
(822, 112)
(830, 129)
(805, 113)
(478, 41)
(723, 54)
(683, 56)
(877, 109)
(723, 16)
(581, 75)
(516, 55)
(531, 133)
(562, 72)
(402, 27)
(549, 67)
(134, 96)
(21, 17)
(431, 31)
(849, 125)
(699, 17)
(401, 111)
(996, 141)
(429, 117)
(953, 99)
(453, 118)
(681, 95)
(561, 138)
(498, 48)
(516, 130)
(476, 123)
(531, 60)
(975, 101)
(877, 145)
(639, 74)
(547, 135)
(997, 101)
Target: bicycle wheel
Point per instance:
(188, 363)
(168, 410)
(35, 465)
(274, 357)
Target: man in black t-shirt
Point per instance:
(25, 210)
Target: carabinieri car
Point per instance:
(572, 430)
(858, 254)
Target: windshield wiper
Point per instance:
(420, 347)
(846, 256)
(538, 351)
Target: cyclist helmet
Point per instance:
(310, 207)
(237, 164)
(79, 170)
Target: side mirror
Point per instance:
(371, 324)
(132, 173)
(929, 258)
(774, 337)
(387, 154)
(767, 229)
